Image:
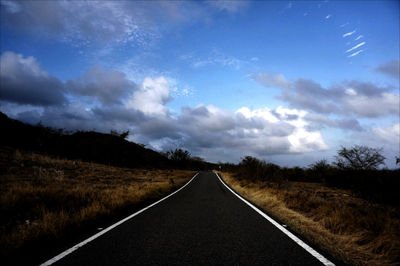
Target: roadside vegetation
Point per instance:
(44, 199)
(350, 208)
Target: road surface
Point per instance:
(203, 224)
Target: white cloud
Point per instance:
(356, 53)
(355, 47)
(349, 33)
(230, 6)
(390, 134)
(359, 37)
(215, 57)
(12, 65)
(285, 113)
(328, 16)
(350, 91)
(264, 113)
(367, 106)
(386, 137)
(301, 139)
(151, 97)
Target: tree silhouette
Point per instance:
(359, 158)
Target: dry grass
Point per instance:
(41, 196)
(349, 228)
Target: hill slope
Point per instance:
(88, 146)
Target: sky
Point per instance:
(287, 82)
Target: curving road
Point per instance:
(203, 224)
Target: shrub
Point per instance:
(255, 169)
(178, 155)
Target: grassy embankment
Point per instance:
(347, 227)
(43, 198)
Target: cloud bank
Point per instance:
(104, 99)
(24, 82)
(391, 68)
(354, 98)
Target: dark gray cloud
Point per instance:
(70, 116)
(271, 80)
(359, 99)
(30, 117)
(391, 68)
(362, 88)
(350, 124)
(307, 94)
(157, 128)
(317, 122)
(210, 119)
(288, 117)
(119, 114)
(23, 81)
(108, 86)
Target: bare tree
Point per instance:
(359, 158)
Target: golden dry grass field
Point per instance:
(42, 197)
(351, 229)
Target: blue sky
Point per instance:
(289, 82)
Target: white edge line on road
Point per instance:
(309, 249)
(81, 244)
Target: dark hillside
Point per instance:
(109, 149)
(89, 146)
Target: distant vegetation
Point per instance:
(355, 168)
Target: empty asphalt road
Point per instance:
(203, 224)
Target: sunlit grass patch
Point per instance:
(351, 229)
(41, 197)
